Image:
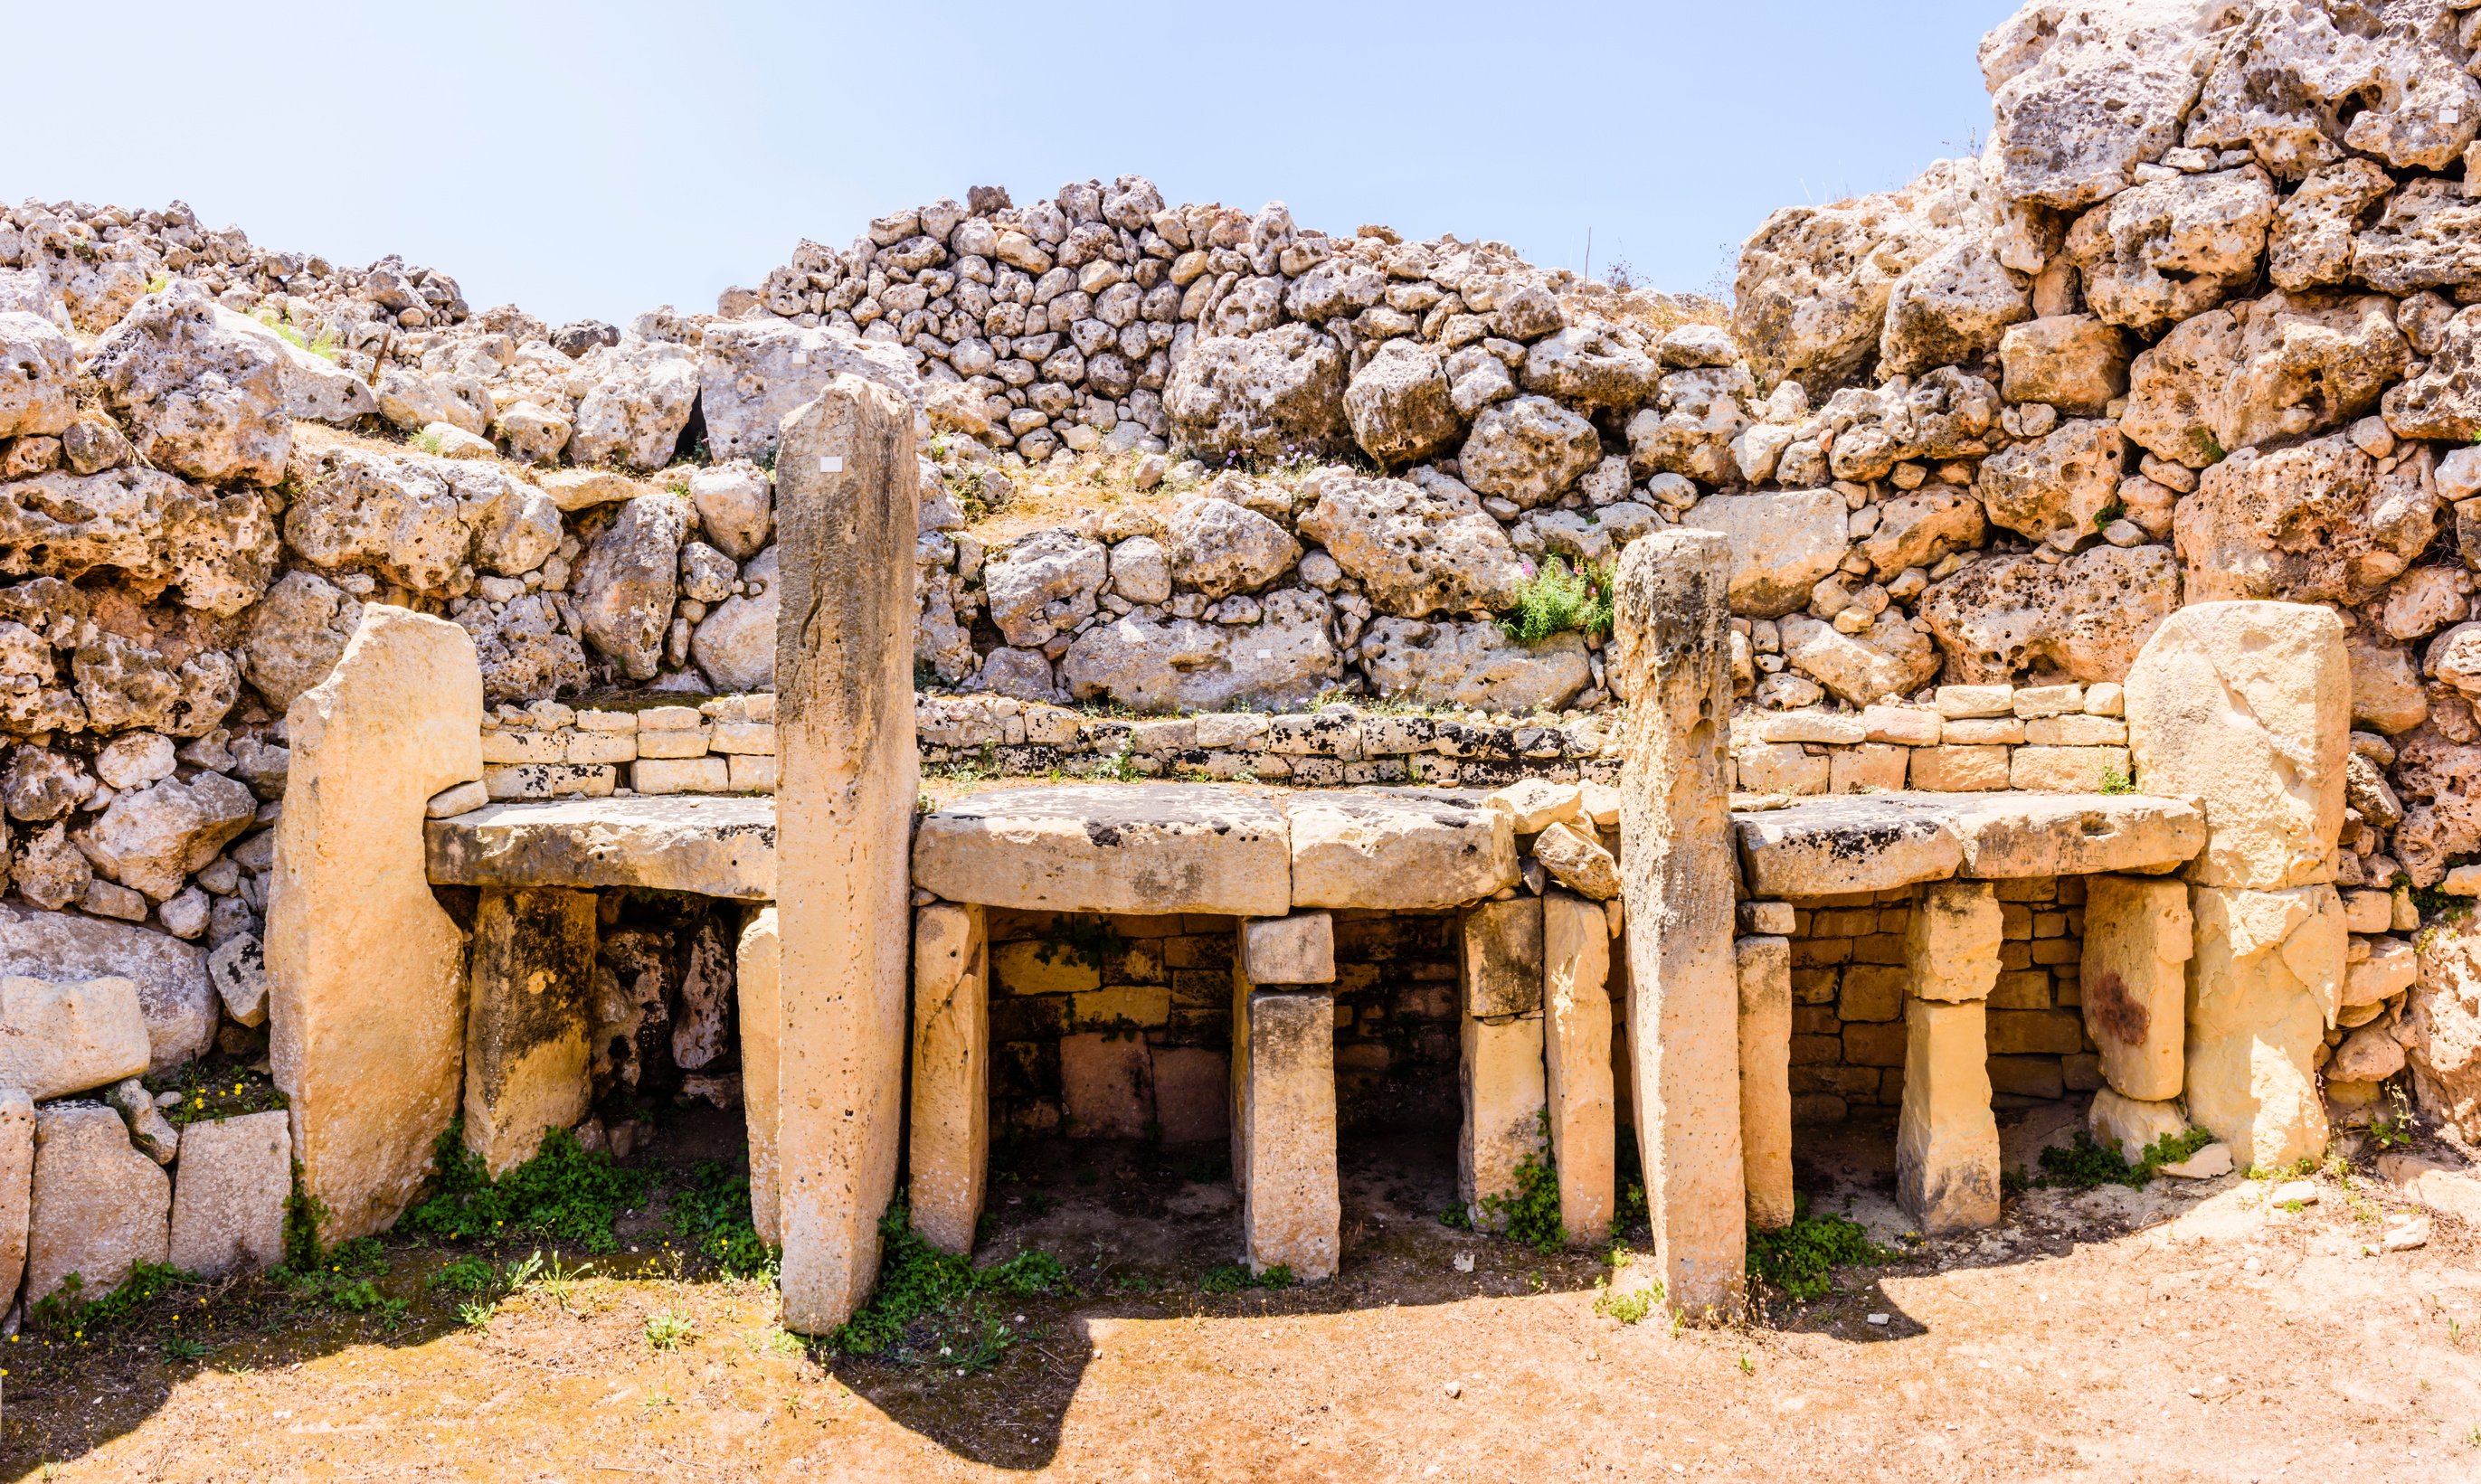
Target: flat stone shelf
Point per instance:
(712, 845)
(1822, 846)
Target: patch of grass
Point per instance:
(2088, 1163)
(669, 1328)
(68, 1307)
(930, 1304)
(1797, 1259)
(1530, 1216)
(712, 1214)
(2109, 513)
(566, 1193)
(2208, 447)
(428, 441)
(1630, 1308)
(181, 1348)
(1236, 1277)
(2115, 779)
(1558, 599)
(464, 1275)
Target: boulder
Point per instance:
(2262, 372)
(63, 1036)
(2443, 1020)
(2247, 706)
(1446, 663)
(1141, 570)
(99, 1208)
(2440, 783)
(414, 401)
(150, 839)
(1689, 428)
(41, 784)
(735, 643)
(295, 634)
(1217, 547)
(316, 389)
(1577, 862)
(218, 552)
(2316, 522)
(2156, 254)
(2310, 242)
(515, 526)
(1045, 582)
(1266, 396)
(2445, 400)
(525, 652)
(2075, 362)
(1953, 307)
(2058, 482)
(736, 505)
(123, 684)
(1920, 529)
(1529, 450)
(1589, 367)
(2423, 240)
(1409, 851)
(2130, 1125)
(175, 997)
(37, 366)
(230, 1196)
(2386, 695)
(1999, 617)
(353, 508)
(1783, 544)
(1399, 404)
(238, 970)
(2300, 84)
(47, 870)
(196, 399)
(1114, 847)
(751, 372)
(2085, 94)
(636, 403)
(627, 583)
(1158, 664)
(1415, 550)
(1889, 658)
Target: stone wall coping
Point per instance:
(714, 845)
(1819, 845)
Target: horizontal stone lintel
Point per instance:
(1824, 844)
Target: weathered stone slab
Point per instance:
(527, 1021)
(1500, 1072)
(1845, 844)
(722, 846)
(1671, 659)
(1577, 1061)
(1295, 949)
(1408, 850)
(59, 1038)
(228, 1194)
(757, 977)
(950, 1151)
(1116, 847)
(2014, 836)
(1951, 942)
(2134, 983)
(174, 994)
(846, 517)
(1947, 1138)
(2262, 988)
(1764, 968)
(1292, 1207)
(1107, 1085)
(2130, 1125)
(98, 1208)
(366, 974)
(16, 1185)
(1500, 952)
(1822, 845)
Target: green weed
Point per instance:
(2087, 1163)
(1235, 1277)
(1628, 1308)
(566, 1193)
(68, 1307)
(930, 1302)
(1558, 599)
(1798, 1259)
(671, 1329)
(713, 1215)
(1530, 1216)
(2116, 779)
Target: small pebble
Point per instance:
(1454, 1388)
(1464, 1262)
(1879, 1318)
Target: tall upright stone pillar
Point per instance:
(2246, 707)
(846, 779)
(1577, 1061)
(1765, 964)
(1499, 1069)
(366, 974)
(1283, 1094)
(526, 1032)
(2133, 979)
(952, 1074)
(1946, 1137)
(1672, 646)
(757, 975)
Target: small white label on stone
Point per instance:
(831, 463)
(2450, 115)
(1265, 654)
(800, 357)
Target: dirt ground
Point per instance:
(2183, 1332)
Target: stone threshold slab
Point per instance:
(1825, 844)
(713, 845)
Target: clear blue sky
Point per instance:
(602, 159)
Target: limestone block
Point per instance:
(1671, 659)
(1535, 805)
(1577, 862)
(1960, 767)
(709, 846)
(16, 1185)
(2135, 981)
(846, 523)
(1946, 1139)
(527, 1021)
(1576, 1062)
(1845, 844)
(1192, 1094)
(2132, 1125)
(1764, 968)
(1292, 1209)
(757, 977)
(228, 1194)
(174, 994)
(1118, 848)
(1500, 950)
(680, 775)
(2262, 988)
(2391, 968)
(1409, 851)
(950, 1148)
(2247, 706)
(549, 780)
(59, 1038)
(1295, 949)
(365, 971)
(2043, 769)
(1500, 1072)
(2023, 835)
(1106, 1084)
(98, 1207)
(1951, 943)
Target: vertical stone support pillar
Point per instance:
(950, 1152)
(2135, 976)
(526, 1032)
(846, 779)
(366, 974)
(1499, 1069)
(1947, 1138)
(1672, 644)
(1765, 964)
(757, 972)
(1576, 1061)
(16, 1187)
(2246, 707)
(1292, 1208)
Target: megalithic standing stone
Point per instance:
(1673, 666)
(847, 778)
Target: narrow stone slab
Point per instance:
(1873, 843)
(526, 1020)
(1292, 1212)
(1576, 1062)
(2139, 937)
(1764, 963)
(950, 1151)
(757, 977)
(1859, 842)
(16, 1185)
(1399, 849)
(98, 1207)
(2012, 836)
(1947, 1138)
(719, 846)
(1505, 1095)
(228, 1194)
(1116, 847)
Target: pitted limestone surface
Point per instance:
(1822, 846)
(715, 847)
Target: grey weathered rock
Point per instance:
(2313, 522)
(2310, 243)
(2299, 84)
(1264, 396)
(414, 401)
(2159, 253)
(1586, 366)
(1783, 544)
(515, 526)
(735, 643)
(295, 634)
(1174, 848)
(1221, 548)
(1889, 658)
(149, 1130)
(2261, 371)
(735, 505)
(1689, 428)
(37, 367)
(2445, 400)
(47, 870)
(220, 551)
(638, 404)
(40, 784)
(1416, 549)
(99, 1208)
(238, 969)
(2085, 94)
(753, 371)
(1953, 307)
(1183, 663)
(2423, 240)
(173, 994)
(60, 1036)
(1141, 570)
(1399, 404)
(1447, 663)
(315, 388)
(625, 588)
(2058, 482)
(1044, 583)
(1412, 850)
(1529, 450)
(230, 1196)
(398, 515)
(1998, 618)
(151, 838)
(199, 400)
(525, 653)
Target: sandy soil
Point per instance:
(2185, 1332)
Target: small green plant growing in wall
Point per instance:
(1558, 599)
(2115, 779)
